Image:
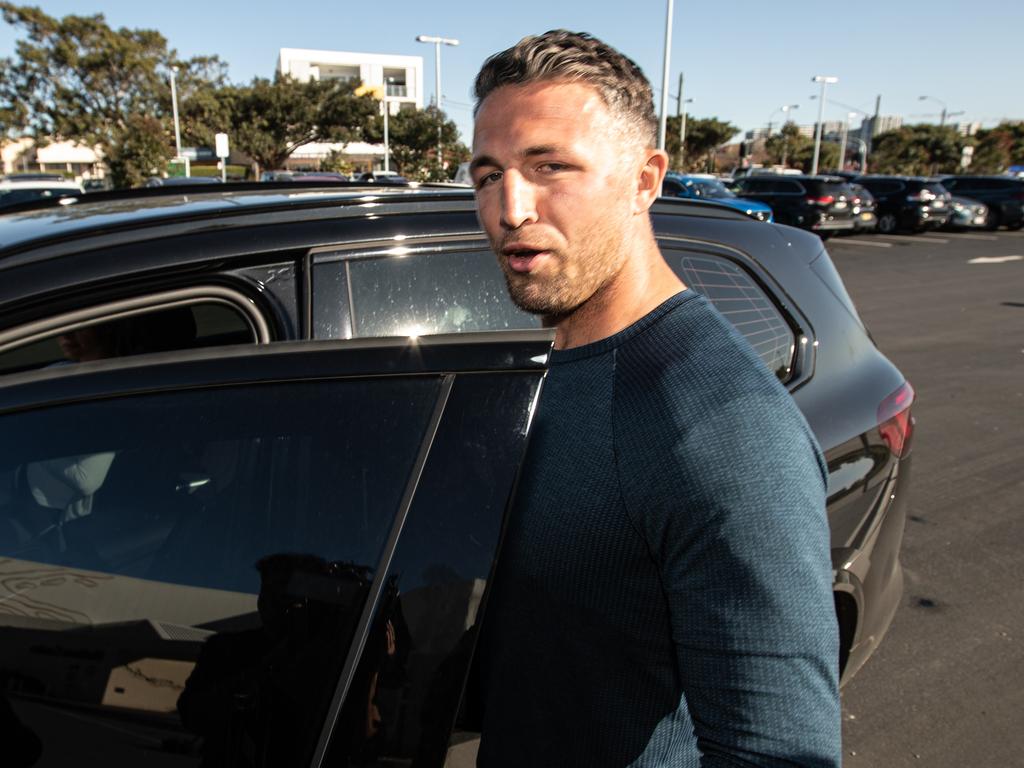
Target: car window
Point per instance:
(418, 294)
(181, 573)
(755, 186)
(742, 302)
(202, 324)
(883, 186)
(787, 187)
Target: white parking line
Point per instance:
(915, 238)
(854, 241)
(995, 259)
(968, 236)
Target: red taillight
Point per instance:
(823, 200)
(894, 420)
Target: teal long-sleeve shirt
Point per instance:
(663, 596)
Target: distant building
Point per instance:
(67, 157)
(829, 128)
(967, 129)
(399, 77)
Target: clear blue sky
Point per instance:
(742, 59)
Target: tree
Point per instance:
(703, 137)
(413, 143)
(998, 148)
(917, 150)
(273, 118)
(76, 78)
(787, 144)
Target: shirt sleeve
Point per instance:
(732, 503)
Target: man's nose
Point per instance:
(518, 201)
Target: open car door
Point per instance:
(254, 556)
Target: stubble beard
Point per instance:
(577, 275)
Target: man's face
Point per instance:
(554, 191)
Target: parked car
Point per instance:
(388, 177)
(967, 214)
(705, 187)
(260, 443)
(908, 203)
(820, 204)
(180, 181)
(1004, 196)
(27, 188)
(865, 218)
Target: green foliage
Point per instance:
(782, 147)
(998, 148)
(917, 150)
(273, 118)
(337, 162)
(76, 78)
(412, 136)
(703, 136)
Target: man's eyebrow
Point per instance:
(542, 149)
(479, 162)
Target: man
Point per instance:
(664, 594)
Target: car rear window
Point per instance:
(742, 302)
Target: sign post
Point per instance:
(221, 144)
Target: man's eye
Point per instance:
(488, 179)
(552, 167)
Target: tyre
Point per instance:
(887, 223)
(1015, 226)
(991, 220)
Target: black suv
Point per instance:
(1003, 195)
(259, 443)
(908, 203)
(822, 204)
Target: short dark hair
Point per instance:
(575, 57)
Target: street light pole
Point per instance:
(942, 118)
(682, 134)
(438, 42)
(387, 146)
(842, 144)
(177, 126)
(824, 80)
(664, 78)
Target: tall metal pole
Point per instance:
(842, 143)
(438, 42)
(387, 147)
(824, 80)
(177, 126)
(664, 77)
(681, 114)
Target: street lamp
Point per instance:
(387, 146)
(438, 42)
(784, 109)
(824, 80)
(942, 118)
(177, 126)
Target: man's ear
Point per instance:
(649, 183)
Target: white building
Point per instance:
(399, 77)
(67, 157)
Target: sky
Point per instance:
(742, 60)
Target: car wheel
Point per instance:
(1015, 226)
(887, 223)
(991, 220)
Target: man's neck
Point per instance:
(644, 282)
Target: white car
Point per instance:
(14, 190)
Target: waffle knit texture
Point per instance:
(663, 596)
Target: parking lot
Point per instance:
(946, 687)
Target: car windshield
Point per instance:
(711, 188)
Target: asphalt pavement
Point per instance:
(946, 686)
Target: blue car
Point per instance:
(697, 187)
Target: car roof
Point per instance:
(61, 223)
(16, 183)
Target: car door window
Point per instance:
(182, 568)
(450, 291)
